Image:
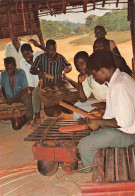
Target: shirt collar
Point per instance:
(114, 76)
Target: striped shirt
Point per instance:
(55, 67)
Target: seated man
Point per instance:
(119, 61)
(14, 86)
(117, 128)
(26, 62)
(87, 85)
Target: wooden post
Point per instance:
(39, 33)
(131, 9)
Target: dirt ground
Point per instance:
(15, 152)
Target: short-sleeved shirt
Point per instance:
(91, 86)
(20, 82)
(32, 79)
(55, 68)
(11, 51)
(120, 101)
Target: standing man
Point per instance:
(117, 128)
(13, 49)
(52, 63)
(101, 32)
(28, 58)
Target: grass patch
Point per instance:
(118, 37)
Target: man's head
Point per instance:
(51, 48)
(27, 52)
(15, 41)
(10, 65)
(99, 31)
(80, 60)
(101, 44)
(101, 66)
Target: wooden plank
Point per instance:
(109, 166)
(98, 161)
(131, 162)
(121, 165)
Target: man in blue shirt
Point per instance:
(14, 86)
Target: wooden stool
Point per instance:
(16, 112)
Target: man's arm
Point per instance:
(7, 51)
(72, 82)
(68, 69)
(36, 44)
(94, 125)
(3, 92)
(82, 96)
(22, 92)
(113, 47)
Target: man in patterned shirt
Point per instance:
(52, 63)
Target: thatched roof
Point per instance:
(21, 17)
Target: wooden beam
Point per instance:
(64, 6)
(94, 4)
(49, 8)
(103, 4)
(84, 6)
(117, 3)
(39, 33)
(131, 4)
(10, 25)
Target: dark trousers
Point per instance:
(26, 99)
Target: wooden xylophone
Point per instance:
(14, 110)
(52, 146)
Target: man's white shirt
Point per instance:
(91, 86)
(10, 51)
(120, 101)
(32, 79)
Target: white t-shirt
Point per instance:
(32, 79)
(10, 51)
(120, 101)
(91, 86)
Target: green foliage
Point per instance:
(55, 29)
(112, 21)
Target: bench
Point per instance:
(113, 173)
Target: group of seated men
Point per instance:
(104, 74)
(21, 84)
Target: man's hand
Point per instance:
(67, 69)
(35, 43)
(93, 125)
(81, 78)
(99, 107)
